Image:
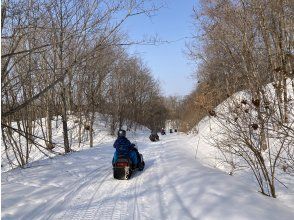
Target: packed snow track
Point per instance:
(173, 185)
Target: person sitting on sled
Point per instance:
(154, 136)
(124, 147)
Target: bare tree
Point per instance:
(46, 46)
(246, 46)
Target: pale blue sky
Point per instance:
(167, 62)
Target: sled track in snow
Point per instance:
(160, 195)
(75, 188)
(136, 213)
(98, 196)
(104, 198)
(122, 199)
(79, 206)
(113, 209)
(47, 210)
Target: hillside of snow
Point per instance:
(100, 136)
(209, 129)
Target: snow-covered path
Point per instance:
(173, 186)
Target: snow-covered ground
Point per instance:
(173, 186)
(203, 136)
(100, 135)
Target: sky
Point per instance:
(168, 62)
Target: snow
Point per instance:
(209, 129)
(184, 178)
(173, 185)
(101, 135)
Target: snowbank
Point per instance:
(101, 135)
(210, 129)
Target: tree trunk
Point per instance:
(64, 123)
(49, 128)
(91, 128)
(285, 94)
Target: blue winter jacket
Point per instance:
(123, 145)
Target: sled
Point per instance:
(123, 169)
(154, 138)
